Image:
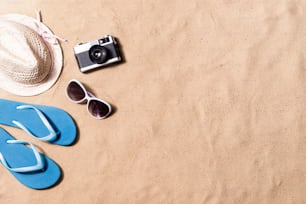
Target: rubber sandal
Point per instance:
(46, 123)
(31, 168)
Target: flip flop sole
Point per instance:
(60, 120)
(19, 155)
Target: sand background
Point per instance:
(210, 103)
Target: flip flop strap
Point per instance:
(52, 133)
(38, 166)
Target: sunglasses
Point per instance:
(77, 93)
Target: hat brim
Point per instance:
(57, 61)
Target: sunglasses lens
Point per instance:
(75, 92)
(98, 109)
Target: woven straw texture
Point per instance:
(29, 64)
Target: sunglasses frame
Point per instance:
(88, 97)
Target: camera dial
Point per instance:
(98, 54)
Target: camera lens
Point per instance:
(98, 54)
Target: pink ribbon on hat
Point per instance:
(50, 37)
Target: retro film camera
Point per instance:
(98, 53)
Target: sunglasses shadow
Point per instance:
(114, 110)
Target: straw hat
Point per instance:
(30, 56)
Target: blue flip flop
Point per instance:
(31, 168)
(45, 123)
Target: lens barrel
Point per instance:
(98, 54)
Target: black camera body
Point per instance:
(98, 53)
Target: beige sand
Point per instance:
(210, 103)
